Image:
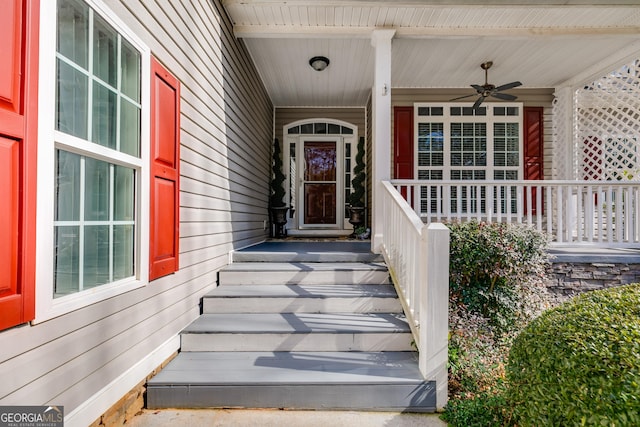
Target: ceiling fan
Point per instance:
(488, 89)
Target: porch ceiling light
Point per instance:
(319, 63)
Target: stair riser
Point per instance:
(314, 396)
(311, 277)
(297, 342)
(302, 305)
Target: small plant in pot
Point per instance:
(277, 207)
(356, 198)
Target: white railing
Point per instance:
(597, 213)
(417, 256)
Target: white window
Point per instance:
(94, 143)
(456, 142)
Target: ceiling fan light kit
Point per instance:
(487, 89)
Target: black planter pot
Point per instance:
(356, 217)
(278, 221)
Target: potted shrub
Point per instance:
(356, 198)
(277, 206)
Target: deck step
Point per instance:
(304, 273)
(298, 332)
(302, 299)
(301, 251)
(381, 381)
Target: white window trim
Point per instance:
(48, 307)
(488, 119)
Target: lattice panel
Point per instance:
(607, 139)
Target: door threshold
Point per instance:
(319, 233)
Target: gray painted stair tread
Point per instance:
(299, 323)
(305, 266)
(311, 247)
(307, 251)
(304, 291)
(261, 368)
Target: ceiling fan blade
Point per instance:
(478, 102)
(478, 88)
(508, 86)
(505, 96)
(462, 97)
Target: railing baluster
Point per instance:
(599, 202)
(636, 216)
(559, 202)
(588, 214)
(519, 203)
(539, 208)
(550, 209)
(507, 205)
(478, 203)
(611, 224)
(579, 211)
(529, 205)
(489, 203)
(619, 215)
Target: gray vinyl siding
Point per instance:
(529, 97)
(226, 133)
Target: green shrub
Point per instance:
(496, 285)
(483, 410)
(476, 355)
(496, 271)
(579, 364)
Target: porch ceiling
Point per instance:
(438, 43)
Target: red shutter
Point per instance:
(403, 143)
(533, 146)
(165, 172)
(403, 146)
(18, 145)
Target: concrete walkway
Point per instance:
(278, 418)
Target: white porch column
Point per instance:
(381, 129)
(564, 162)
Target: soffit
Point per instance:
(437, 43)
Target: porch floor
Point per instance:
(585, 254)
(338, 247)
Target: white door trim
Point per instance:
(339, 180)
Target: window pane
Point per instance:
(67, 260)
(71, 101)
(96, 190)
(123, 251)
(334, 128)
(73, 31)
(123, 194)
(347, 131)
(104, 116)
(67, 187)
(105, 47)
(130, 66)
(96, 256)
(129, 128)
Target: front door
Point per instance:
(320, 176)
